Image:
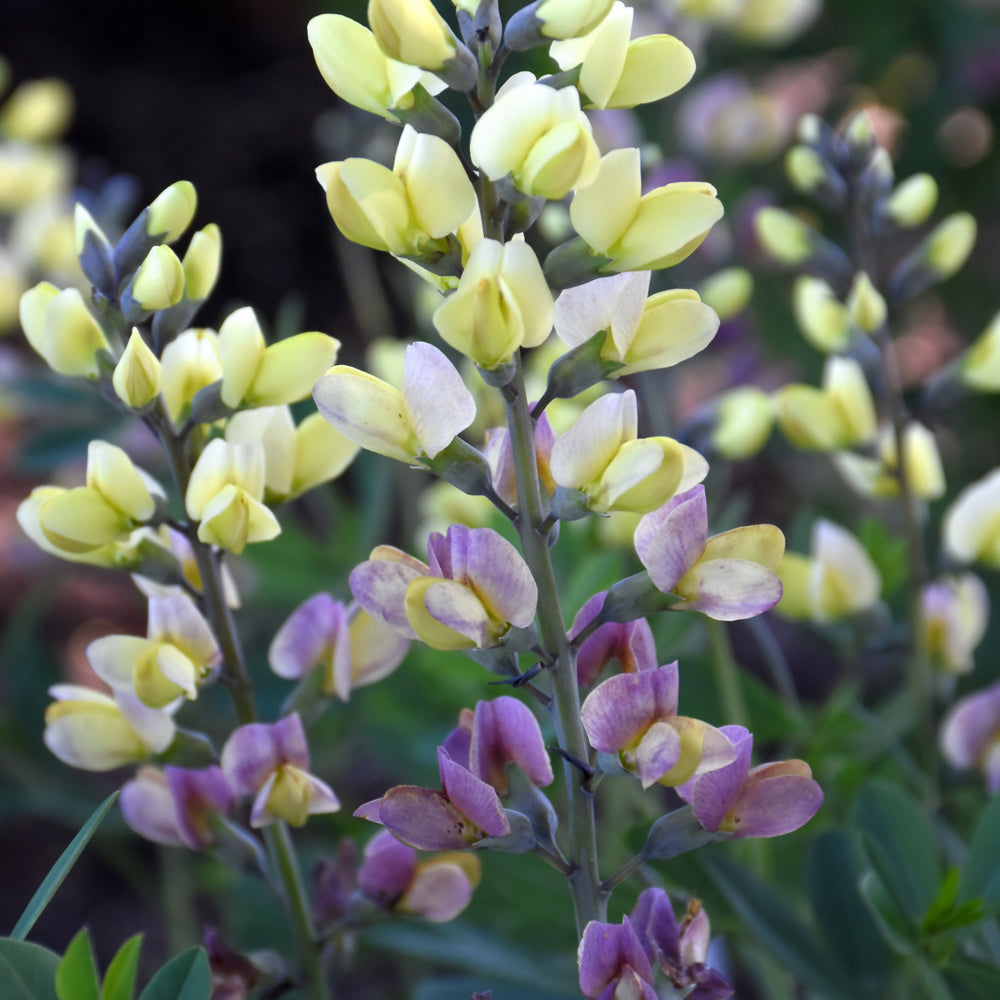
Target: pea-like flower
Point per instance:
(271, 763)
(359, 72)
(254, 374)
(502, 303)
(473, 588)
(728, 577)
(970, 531)
(839, 415)
(613, 963)
(138, 376)
(224, 494)
(836, 579)
(630, 644)
(408, 211)
(970, 735)
(61, 329)
(635, 716)
(955, 611)
(616, 72)
(602, 457)
(539, 136)
(642, 332)
(353, 648)
(764, 801)
(412, 31)
(473, 766)
(879, 475)
(418, 420)
(117, 498)
(641, 232)
(94, 732)
(178, 655)
(174, 806)
(437, 889)
(189, 362)
(296, 458)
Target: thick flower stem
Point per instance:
(589, 899)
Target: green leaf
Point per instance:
(973, 978)
(778, 927)
(185, 977)
(832, 884)
(901, 846)
(887, 552)
(981, 871)
(119, 981)
(897, 931)
(27, 971)
(945, 914)
(60, 870)
(76, 977)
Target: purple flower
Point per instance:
(498, 733)
(437, 889)
(353, 648)
(631, 644)
(766, 801)
(173, 806)
(473, 588)
(635, 716)
(728, 577)
(680, 952)
(970, 735)
(613, 963)
(500, 455)
(465, 811)
(271, 762)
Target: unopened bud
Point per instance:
(138, 376)
(784, 236)
(171, 212)
(159, 282)
(865, 304)
(728, 291)
(201, 262)
(821, 316)
(93, 251)
(950, 243)
(805, 168)
(913, 200)
(38, 111)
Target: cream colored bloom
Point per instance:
(821, 316)
(412, 31)
(642, 232)
(190, 362)
(502, 303)
(61, 329)
(980, 366)
(138, 375)
(159, 282)
(971, 527)
(539, 136)
(617, 72)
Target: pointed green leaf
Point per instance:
(901, 845)
(27, 971)
(119, 981)
(897, 931)
(60, 870)
(832, 883)
(982, 864)
(778, 927)
(76, 977)
(185, 977)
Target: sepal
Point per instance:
(519, 840)
(464, 467)
(634, 597)
(677, 833)
(428, 115)
(572, 263)
(580, 368)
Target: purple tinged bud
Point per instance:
(969, 735)
(630, 644)
(504, 731)
(387, 869)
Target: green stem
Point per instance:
(727, 675)
(589, 899)
(310, 957)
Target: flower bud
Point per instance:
(783, 236)
(159, 282)
(728, 291)
(743, 421)
(912, 201)
(413, 32)
(189, 363)
(201, 263)
(805, 168)
(866, 305)
(570, 18)
(138, 375)
(980, 367)
(38, 111)
(93, 251)
(171, 212)
(822, 318)
(61, 329)
(936, 257)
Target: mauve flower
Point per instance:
(173, 806)
(679, 951)
(353, 648)
(635, 716)
(970, 735)
(630, 644)
(765, 801)
(613, 963)
(473, 588)
(728, 577)
(271, 762)
(437, 889)
(466, 810)
(955, 611)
